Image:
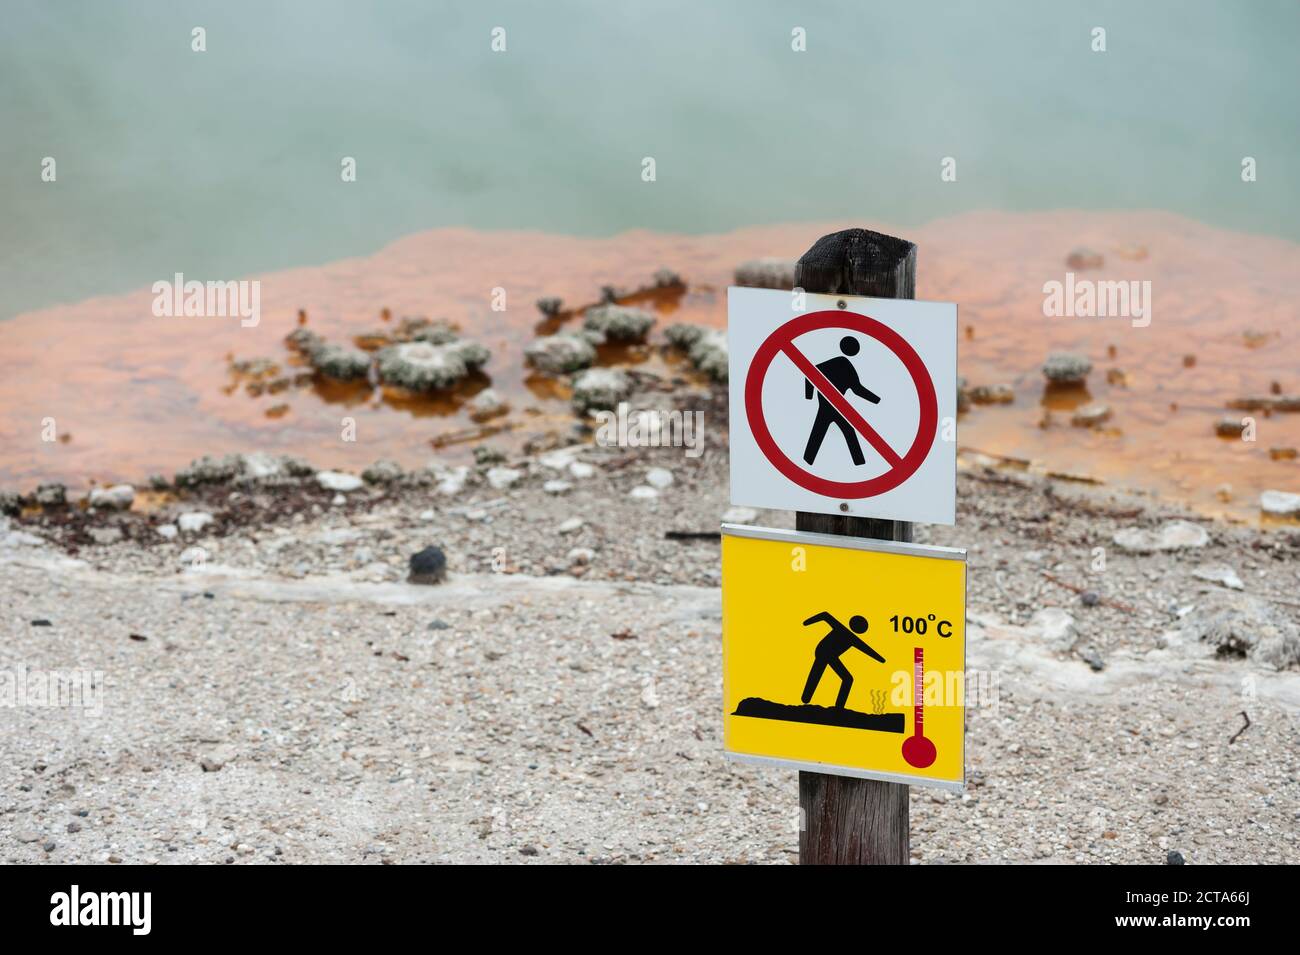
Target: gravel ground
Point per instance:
(273, 690)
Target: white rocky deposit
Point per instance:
(273, 690)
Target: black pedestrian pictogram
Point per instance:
(829, 651)
(827, 655)
(839, 371)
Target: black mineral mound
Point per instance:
(825, 715)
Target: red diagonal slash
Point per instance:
(832, 394)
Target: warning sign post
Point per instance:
(843, 409)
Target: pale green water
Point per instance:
(225, 163)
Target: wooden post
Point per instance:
(849, 821)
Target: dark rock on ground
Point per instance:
(429, 566)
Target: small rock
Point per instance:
(1174, 858)
(105, 535)
(580, 556)
(1219, 574)
(211, 764)
(683, 335)
(338, 361)
(381, 472)
(193, 558)
(558, 460)
(706, 347)
(116, 498)
(667, 278)
(439, 625)
(560, 354)
(167, 531)
(487, 404)
(557, 487)
(51, 494)
(600, 389)
(581, 469)
(11, 503)
(74, 826)
(1063, 368)
(618, 323)
(1091, 656)
(27, 835)
(423, 366)
(739, 515)
(1239, 625)
(429, 566)
(643, 493)
(550, 305)
(1229, 427)
(1089, 416)
(210, 470)
(650, 695)
(451, 480)
(659, 478)
(500, 478)
(193, 521)
(338, 500)
(710, 356)
(49, 846)
(571, 526)
(766, 273)
(420, 329)
(338, 481)
(1282, 454)
(1173, 535)
(1084, 258)
(528, 851)
(1000, 394)
(1055, 626)
(1280, 503)
(1090, 598)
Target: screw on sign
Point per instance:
(830, 393)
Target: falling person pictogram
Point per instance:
(841, 373)
(827, 655)
(830, 649)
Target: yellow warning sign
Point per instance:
(844, 655)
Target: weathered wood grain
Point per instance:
(850, 821)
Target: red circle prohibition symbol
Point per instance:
(781, 341)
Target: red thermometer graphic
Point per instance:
(917, 750)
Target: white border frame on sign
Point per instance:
(881, 547)
(931, 328)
